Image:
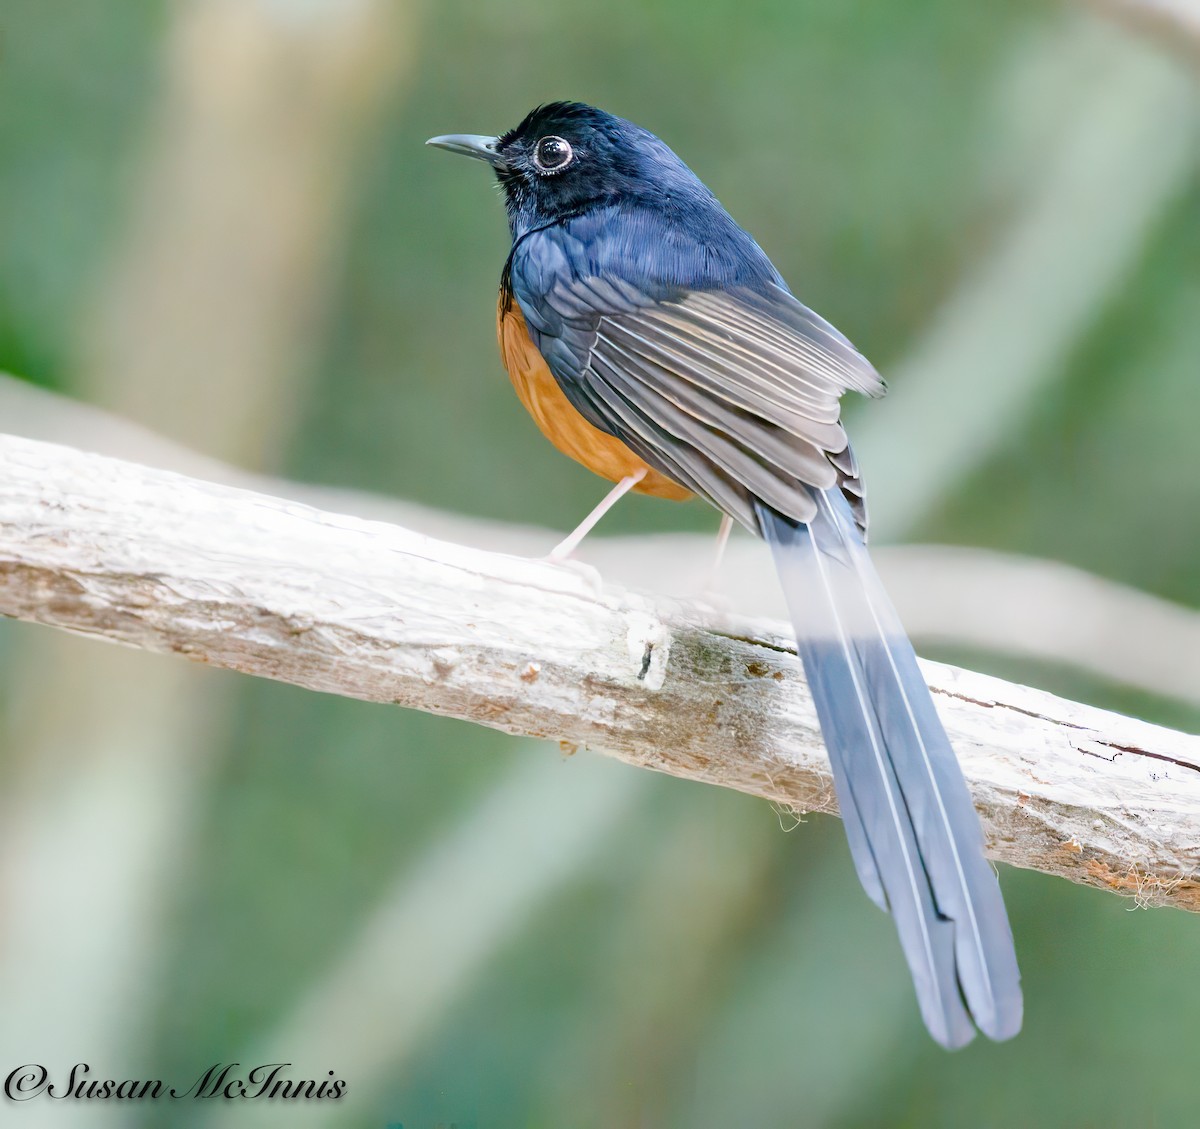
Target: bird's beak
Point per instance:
(472, 145)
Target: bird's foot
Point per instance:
(588, 573)
(710, 598)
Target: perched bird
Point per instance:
(652, 340)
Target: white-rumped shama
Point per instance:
(653, 341)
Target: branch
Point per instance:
(367, 610)
(1056, 613)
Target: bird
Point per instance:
(652, 340)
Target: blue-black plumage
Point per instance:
(667, 341)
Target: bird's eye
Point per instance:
(552, 154)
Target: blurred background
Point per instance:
(220, 226)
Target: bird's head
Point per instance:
(566, 158)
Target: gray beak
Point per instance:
(471, 145)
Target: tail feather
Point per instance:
(912, 828)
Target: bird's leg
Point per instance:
(570, 543)
(722, 541)
(710, 592)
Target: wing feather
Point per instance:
(731, 392)
(715, 449)
(785, 450)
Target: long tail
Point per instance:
(913, 832)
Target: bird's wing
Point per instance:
(732, 392)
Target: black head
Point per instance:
(566, 158)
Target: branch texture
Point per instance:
(368, 610)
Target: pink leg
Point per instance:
(569, 544)
(722, 541)
(711, 589)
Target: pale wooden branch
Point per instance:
(1056, 613)
(367, 610)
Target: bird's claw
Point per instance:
(589, 573)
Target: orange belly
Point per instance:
(600, 452)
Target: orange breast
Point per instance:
(560, 422)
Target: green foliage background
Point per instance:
(857, 143)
